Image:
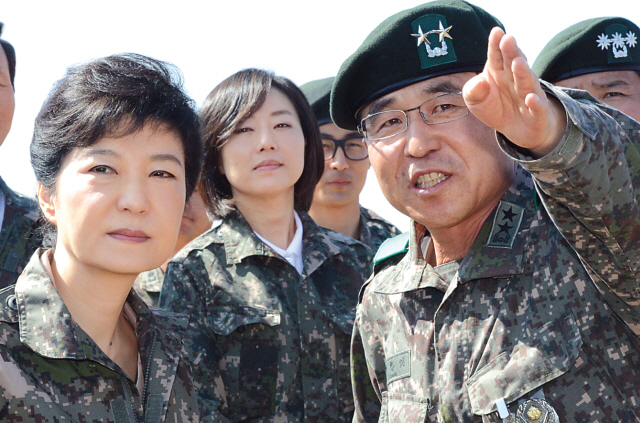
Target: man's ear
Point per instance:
(47, 205)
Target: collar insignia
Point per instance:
(505, 225)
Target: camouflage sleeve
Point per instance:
(183, 293)
(365, 390)
(590, 185)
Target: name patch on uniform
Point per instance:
(505, 225)
(398, 366)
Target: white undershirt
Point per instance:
(1, 208)
(293, 253)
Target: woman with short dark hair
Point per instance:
(116, 151)
(271, 295)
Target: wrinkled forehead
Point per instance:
(414, 94)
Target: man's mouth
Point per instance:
(430, 179)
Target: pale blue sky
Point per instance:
(210, 40)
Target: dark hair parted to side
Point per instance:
(10, 53)
(227, 107)
(114, 96)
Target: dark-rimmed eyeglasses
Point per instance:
(352, 146)
(389, 123)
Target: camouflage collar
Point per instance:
(489, 256)
(241, 242)
(498, 250)
(46, 326)
(16, 201)
(239, 239)
(364, 233)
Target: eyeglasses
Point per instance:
(389, 123)
(352, 146)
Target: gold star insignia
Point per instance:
(442, 32)
(421, 37)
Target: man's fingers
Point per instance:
(476, 90)
(494, 55)
(525, 81)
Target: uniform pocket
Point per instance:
(225, 319)
(403, 408)
(532, 362)
(248, 338)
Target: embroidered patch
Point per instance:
(398, 366)
(621, 40)
(434, 40)
(505, 225)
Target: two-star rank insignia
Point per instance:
(505, 225)
(434, 40)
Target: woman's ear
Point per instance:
(47, 205)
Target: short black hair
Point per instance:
(113, 96)
(11, 59)
(232, 102)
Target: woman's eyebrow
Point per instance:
(281, 112)
(163, 157)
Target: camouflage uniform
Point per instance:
(268, 343)
(18, 237)
(520, 316)
(148, 286)
(50, 370)
(374, 230)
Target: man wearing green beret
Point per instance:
(599, 55)
(336, 200)
(519, 294)
(18, 214)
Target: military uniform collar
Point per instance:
(413, 272)
(364, 233)
(46, 326)
(241, 242)
(498, 250)
(17, 201)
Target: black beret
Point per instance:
(594, 45)
(318, 93)
(11, 55)
(437, 38)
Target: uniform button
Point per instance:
(12, 302)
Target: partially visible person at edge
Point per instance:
(271, 294)
(520, 292)
(116, 151)
(336, 200)
(19, 237)
(599, 55)
(195, 222)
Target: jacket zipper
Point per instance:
(148, 370)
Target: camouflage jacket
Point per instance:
(148, 286)
(374, 230)
(542, 308)
(51, 370)
(268, 343)
(18, 237)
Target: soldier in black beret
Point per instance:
(517, 297)
(336, 202)
(599, 55)
(18, 214)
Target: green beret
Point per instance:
(318, 93)
(437, 38)
(594, 45)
